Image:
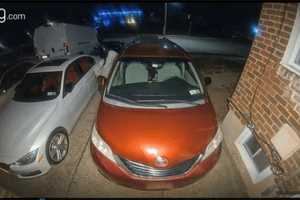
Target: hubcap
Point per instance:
(58, 147)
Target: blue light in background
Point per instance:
(106, 17)
(256, 31)
(122, 22)
(106, 22)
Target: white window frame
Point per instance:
(255, 175)
(293, 47)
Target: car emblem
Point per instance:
(161, 161)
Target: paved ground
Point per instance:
(77, 176)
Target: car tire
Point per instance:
(57, 146)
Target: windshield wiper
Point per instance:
(184, 101)
(131, 101)
(180, 101)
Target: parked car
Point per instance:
(35, 125)
(12, 76)
(156, 127)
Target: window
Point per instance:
(39, 86)
(85, 64)
(72, 75)
(253, 156)
(291, 58)
(154, 81)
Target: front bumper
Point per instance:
(116, 173)
(37, 168)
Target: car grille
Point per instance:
(147, 171)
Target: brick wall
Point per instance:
(277, 98)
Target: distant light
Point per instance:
(122, 22)
(121, 15)
(256, 30)
(44, 57)
(96, 18)
(106, 22)
(131, 21)
(154, 65)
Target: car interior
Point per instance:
(50, 83)
(141, 72)
(85, 64)
(144, 80)
(72, 75)
(136, 72)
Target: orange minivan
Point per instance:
(156, 127)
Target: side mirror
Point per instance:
(207, 80)
(101, 84)
(68, 88)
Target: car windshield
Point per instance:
(39, 86)
(155, 81)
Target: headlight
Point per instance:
(101, 145)
(28, 158)
(214, 143)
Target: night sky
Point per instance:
(208, 19)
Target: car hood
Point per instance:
(176, 134)
(19, 127)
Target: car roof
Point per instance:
(55, 64)
(152, 46)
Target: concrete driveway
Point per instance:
(77, 176)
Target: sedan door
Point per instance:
(86, 64)
(73, 93)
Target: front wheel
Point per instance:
(57, 147)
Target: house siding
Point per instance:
(277, 98)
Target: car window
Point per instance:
(85, 64)
(39, 87)
(72, 74)
(155, 80)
